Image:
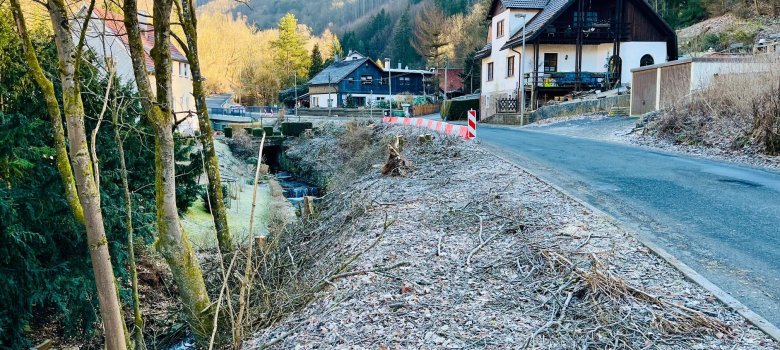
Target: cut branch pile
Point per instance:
(436, 260)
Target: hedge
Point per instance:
(269, 131)
(295, 129)
(458, 109)
(257, 132)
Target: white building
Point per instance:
(570, 45)
(107, 38)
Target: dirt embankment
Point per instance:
(467, 250)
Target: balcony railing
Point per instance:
(569, 79)
(601, 31)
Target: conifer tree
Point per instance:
(291, 55)
(316, 61)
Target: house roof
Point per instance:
(454, 81)
(555, 8)
(116, 24)
(218, 101)
(550, 12)
(484, 51)
(525, 4)
(337, 71)
(516, 4)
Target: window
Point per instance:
(646, 60)
(405, 80)
(367, 79)
(550, 62)
(500, 29)
(510, 66)
(490, 71)
(590, 18)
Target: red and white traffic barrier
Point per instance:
(463, 131)
(472, 132)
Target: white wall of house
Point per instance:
(631, 53)
(321, 100)
(103, 43)
(501, 83)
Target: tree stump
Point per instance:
(425, 139)
(396, 164)
(308, 207)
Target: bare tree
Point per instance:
(186, 14)
(69, 55)
(138, 321)
(172, 241)
(430, 38)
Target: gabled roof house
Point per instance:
(570, 45)
(359, 81)
(107, 38)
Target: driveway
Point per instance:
(721, 219)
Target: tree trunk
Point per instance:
(53, 107)
(172, 241)
(138, 321)
(69, 56)
(218, 211)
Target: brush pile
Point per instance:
(468, 251)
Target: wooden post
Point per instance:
(260, 241)
(308, 207)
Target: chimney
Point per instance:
(387, 63)
(335, 57)
(407, 67)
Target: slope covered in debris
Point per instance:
(467, 250)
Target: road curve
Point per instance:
(721, 219)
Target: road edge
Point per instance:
(751, 316)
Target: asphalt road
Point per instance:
(721, 219)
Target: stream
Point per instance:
(295, 190)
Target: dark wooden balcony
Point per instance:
(595, 33)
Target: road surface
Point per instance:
(721, 219)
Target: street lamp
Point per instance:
(522, 71)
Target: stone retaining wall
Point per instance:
(580, 107)
(565, 109)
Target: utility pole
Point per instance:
(330, 104)
(296, 95)
(446, 79)
(390, 84)
(522, 74)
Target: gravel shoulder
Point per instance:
(468, 250)
(623, 130)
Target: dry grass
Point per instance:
(735, 111)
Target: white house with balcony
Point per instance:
(570, 46)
